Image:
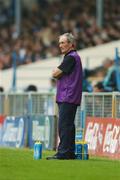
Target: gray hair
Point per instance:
(70, 37)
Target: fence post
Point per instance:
(6, 104)
(29, 104)
(114, 105)
(14, 78)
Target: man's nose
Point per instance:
(60, 45)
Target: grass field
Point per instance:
(18, 164)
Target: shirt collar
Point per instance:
(70, 52)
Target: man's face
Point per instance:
(64, 45)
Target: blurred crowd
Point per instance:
(102, 78)
(46, 20)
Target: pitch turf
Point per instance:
(18, 164)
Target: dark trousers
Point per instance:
(66, 129)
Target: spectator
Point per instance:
(86, 85)
(31, 88)
(109, 82)
(98, 87)
(1, 89)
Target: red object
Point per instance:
(2, 119)
(103, 136)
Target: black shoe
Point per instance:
(52, 157)
(55, 157)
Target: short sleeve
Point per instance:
(68, 64)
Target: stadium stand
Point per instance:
(37, 41)
(39, 32)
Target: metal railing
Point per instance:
(2, 102)
(17, 104)
(93, 104)
(98, 104)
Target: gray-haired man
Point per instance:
(69, 92)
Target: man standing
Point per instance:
(69, 92)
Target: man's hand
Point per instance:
(57, 73)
